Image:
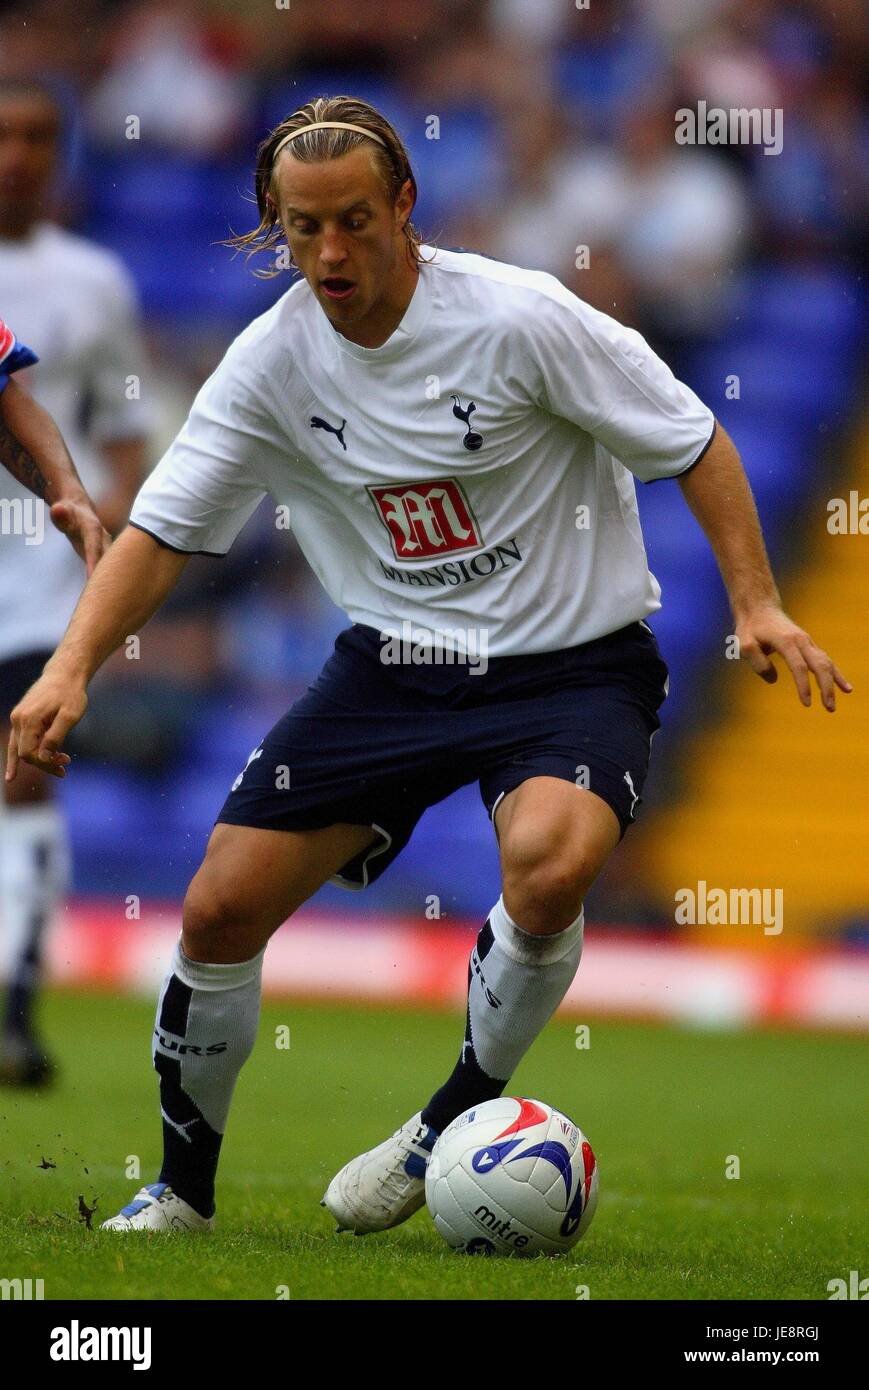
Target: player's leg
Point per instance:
(34, 872)
(331, 761)
(555, 839)
(531, 729)
(250, 881)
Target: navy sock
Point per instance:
(468, 1084)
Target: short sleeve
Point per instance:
(208, 483)
(13, 355)
(589, 369)
(118, 362)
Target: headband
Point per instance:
(325, 125)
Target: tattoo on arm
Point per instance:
(21, 463)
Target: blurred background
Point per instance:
(556, 131)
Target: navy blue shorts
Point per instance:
(17, 675)
(376, 744)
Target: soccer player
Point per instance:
(33, 451)
(74, 301)
(434, 420)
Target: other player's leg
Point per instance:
(554, 840)
(34, 872)
(249, 883)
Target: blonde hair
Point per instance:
(314, 146)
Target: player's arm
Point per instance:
(127, 587)
(718, 493)
(33, 450)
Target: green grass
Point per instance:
(662, 1107)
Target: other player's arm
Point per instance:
(33, 450)
(127, 467)
(719, 494)
(127, 587)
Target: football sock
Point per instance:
(34, 872)
(516, 980)
(207, 1018)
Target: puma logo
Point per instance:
(318, 424)
(181, 1128)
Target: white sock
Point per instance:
(207, 1019)
(34, 877)
(516, 986)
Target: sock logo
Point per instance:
(167, 1043)
(181, 1128)
(477, 969)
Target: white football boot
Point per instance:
(156, 1208)
(386, 1185)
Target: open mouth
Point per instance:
(336, 287)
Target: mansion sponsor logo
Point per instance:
(453, 572)
(713, 125)
(427, 518)
(77, 1343)
(441, 646)
(740, 907)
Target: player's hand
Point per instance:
(78, 521)
(42, 720)
(769, 629)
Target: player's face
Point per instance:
(28, 146)
(345, 234)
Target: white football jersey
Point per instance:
(72, 302)
(473, 472)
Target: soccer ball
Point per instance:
(512, 1177)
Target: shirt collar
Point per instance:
(415, 316)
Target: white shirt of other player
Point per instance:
(73, 303)
(440, 479)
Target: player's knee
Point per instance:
(545, 891)
(213, 924)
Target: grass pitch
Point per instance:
(665, 1109)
